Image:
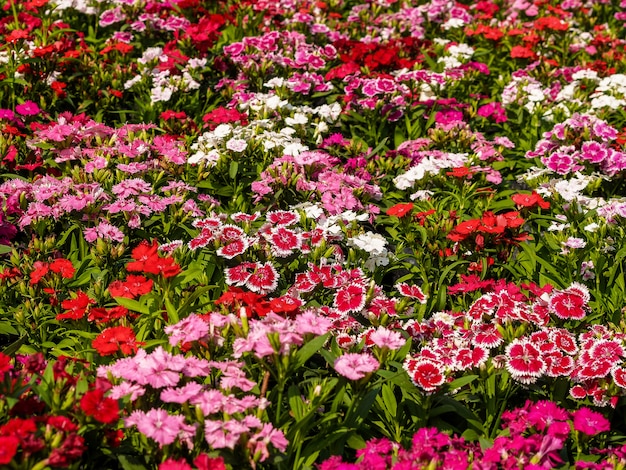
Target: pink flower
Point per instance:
(385, 338)
(355, 366)
(157, 424)
(312, 323)
(217, 437)
(187, 330)
(181, 394)
(590, 422)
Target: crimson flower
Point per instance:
(8, 449)
(101, 408)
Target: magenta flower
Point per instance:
(28, 108)
(355, 366)
(590, 422)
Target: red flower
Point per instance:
(103, 409)
(8, 449)
(142, 253)
(134, 286)
(64, 267)
(550, 22)
(522, 52)
(460, 172)
(114, 339)
(41, 269)
(5, 363)
(530, 200)
(285, 304)
(400, 210)
(76, 308)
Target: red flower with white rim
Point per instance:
(483, 306)
(467, 358)
(303, 283)
(571, 303)
(558, 364)
(413, 292)
(283, 218)
(606, 350)
(201, 240)
(263, 279)
(211, 223)
(239, 275)
(242, 217)
(578, 392)
(593, 370)
(564, 340)
(427, 375)
(234, 248)
(524, 361)
(231, 232)
(350, 298)
(619, 376)
(284, 241)
(487, 335)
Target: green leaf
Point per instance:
(129, 462)
(133, 305)
(462, 381)
(389, 400)
(234, 168)
(310, 348)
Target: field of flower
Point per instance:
(299, 234)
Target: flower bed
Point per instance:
(312, 234)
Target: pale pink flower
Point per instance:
(385, 338)
(355, 366)
(157, 424)
(312, 323)
(181, 394)
(187, 330)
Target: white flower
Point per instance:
(298, 118)
(373, 243)
(221, 131)
(592, 227)
(236, 145)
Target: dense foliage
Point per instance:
(305, 234)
